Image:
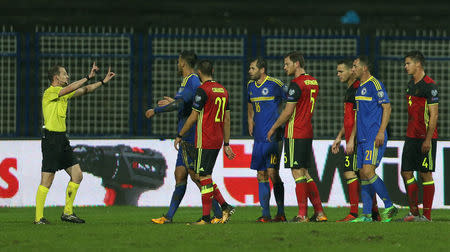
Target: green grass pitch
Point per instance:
(129, 228)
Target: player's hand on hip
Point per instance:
(229, 152)
(149, 113)
(176, 143)
(109, 75)
(426, 146)
(335, 146)
(94, 70)
(350, 147)
(379, 139)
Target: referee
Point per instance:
(56, 151)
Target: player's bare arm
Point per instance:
(337, 141)
(284, 117)
(90, 88)
(432, 124)
(379, 139)
(250, 114)
(193, 117)
(226, 136)
(350, 147)
(77, 84)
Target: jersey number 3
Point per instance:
(221, 107)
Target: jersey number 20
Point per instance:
(221, 107)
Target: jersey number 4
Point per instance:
(220, 108)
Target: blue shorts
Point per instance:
(266, 155)
(188, 164)
(367, 153)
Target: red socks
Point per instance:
(413, 196)
(353, 194)
(314, 196)
(217, 195)
(207, 190)
(428, 195)
(302, 199)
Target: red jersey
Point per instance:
(418, 96)
(349, 109)
(303, 90)
(211, 101)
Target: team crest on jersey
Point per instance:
(265, 91)
(363, 91)
(434, 92)
(380, 94)
(291, 91)
(198, 98)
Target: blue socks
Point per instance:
(264, 197)
(278, 190)
(381, 190)
(177, 196)
(368, 190)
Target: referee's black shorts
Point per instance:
(57, 154)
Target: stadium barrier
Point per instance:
(140, 172)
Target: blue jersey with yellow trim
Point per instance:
(187, 92)
(369, 113)
(265, 99)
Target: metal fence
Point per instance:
(390, 52)
(10, 82)
(147, 70)
(108, 110)
(228, 51)
(322, 50)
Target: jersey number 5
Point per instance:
(313, 100)
(221, 101)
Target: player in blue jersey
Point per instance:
(183, 104)
(265, 95)
(372, 116)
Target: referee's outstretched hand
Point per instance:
(109, 75)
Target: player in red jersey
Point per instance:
(345, 74)
(297, 114)
(211, 113)
(419, 151)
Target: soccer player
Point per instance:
(265, 95)
(301, 98)
(211, 112)
(56, 151)
(419, 151)
(345, 74)
(372, 117)
(183, 104)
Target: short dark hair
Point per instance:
(347, 62)
(54, 70)
(365, 61)
(190, 57)
(206, 67)
(296, 56)
(416, 56)
(260, 63)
